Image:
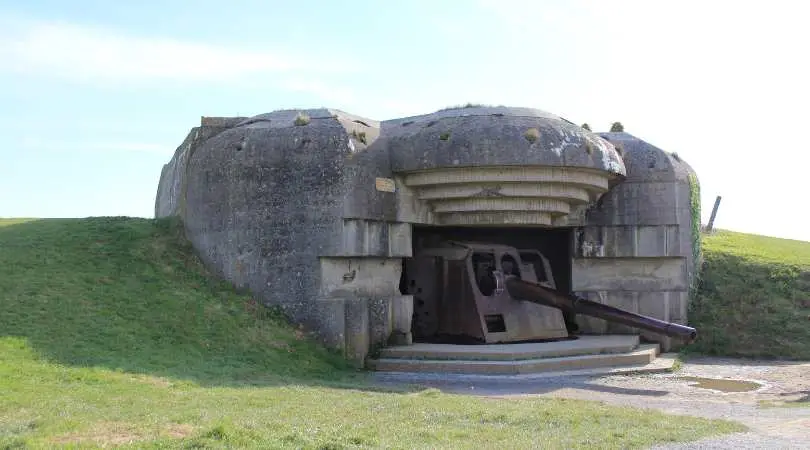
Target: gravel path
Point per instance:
(769, 426)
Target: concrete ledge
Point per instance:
(629, 274)
(645, 354)
(585, 345)
(664, 363)
(507, 195)
(221, 121)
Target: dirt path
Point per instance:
(770, 426)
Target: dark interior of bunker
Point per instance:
(556, 244)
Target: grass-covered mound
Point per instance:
(111, 333)
(128, 294)
(754, 297)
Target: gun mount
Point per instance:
(495, 294)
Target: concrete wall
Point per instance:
(633, 250)
(288, 211)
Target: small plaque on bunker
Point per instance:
(385, 185)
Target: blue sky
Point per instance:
(96, 95)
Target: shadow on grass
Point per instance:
(129, 295)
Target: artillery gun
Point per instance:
(490, 293)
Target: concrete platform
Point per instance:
(644, 354)
(606, 353)
(585, 345)
(663, 364)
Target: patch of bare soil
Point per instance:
(179, 430)
(103, 434)
(110, 434)
(154, 381)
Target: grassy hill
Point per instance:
(111, 333)
(754, 298)
(129, 295)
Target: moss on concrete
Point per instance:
(694, 199)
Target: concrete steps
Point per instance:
(586, 353)
(585, 345)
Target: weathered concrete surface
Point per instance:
(312, 210)
(499, 195)
(281, 207)
(171, 193)
(629, 275)
(585, 345)
(641, 356)
(496, 166)
(642, 223)
(494, 136)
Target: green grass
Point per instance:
(754, 297)
(128, 295)
(6, 221)
(111, 333)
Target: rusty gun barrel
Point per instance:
(533, 292)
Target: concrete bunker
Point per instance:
(317, 216)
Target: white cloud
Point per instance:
(94, 55)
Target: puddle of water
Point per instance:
(722, 385)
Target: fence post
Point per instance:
(714, 214)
